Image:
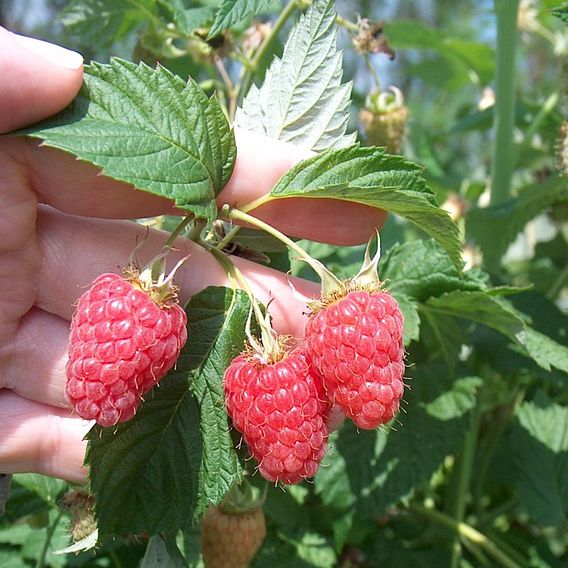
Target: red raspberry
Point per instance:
(281, 411)
(355, 342)
(122, 343)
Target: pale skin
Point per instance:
(62, 224)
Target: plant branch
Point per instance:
(269, 337)
(463, 473)
(558, 284)
(323, 273)
(546, 108)
(504, 121)
(467, 532)
(229, 86)
(177, 232)
(346, 24)
(498, 427)
(228, 237)
(49, 535)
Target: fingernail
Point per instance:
(54, 53)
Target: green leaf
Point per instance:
(561, 12)
(12, 559)
(102, 22)
(422, 269)
(149, 128)
(187, 20)
(162, 469)
(302, 99)
(15, 534)
(374, 470)
(48, 488)
(315, 550)
(232, 12)
(492, 311)
(540, 445)
(442, 336)
(494, 228)
(372, 177)
(409, 310)
(216, 321)
(474, 56)
(545, 351)
(162, 554)
(145, 474)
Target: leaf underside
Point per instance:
(302, 99)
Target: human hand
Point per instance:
(62, 224)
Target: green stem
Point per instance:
(476, 551)
(228, 237)
(115, 559)
(464, 469)
(346, 24)
(497, 429)
(514, 554)
(177, 232)
(545, 110)
(230, 88)
(194, 233)
(49, 535)
(249, 72)
(373, 72)
(268, 336)
(237, 215)
(558, 284)
(504, 121)
(467, 532)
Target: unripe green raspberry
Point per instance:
(230, 540)
(384, 119)
(81, 507)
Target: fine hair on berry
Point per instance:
(354, 340)
(281, 411)
(122, 342)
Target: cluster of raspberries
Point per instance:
(352, 361)
(126, 336)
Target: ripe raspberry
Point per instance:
(122, 343)
(280, 409)
(355, 342)
(231, 540)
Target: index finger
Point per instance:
(79, 188)
(38, 79)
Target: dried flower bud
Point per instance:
(370, 39)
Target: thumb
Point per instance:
(38, 79)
